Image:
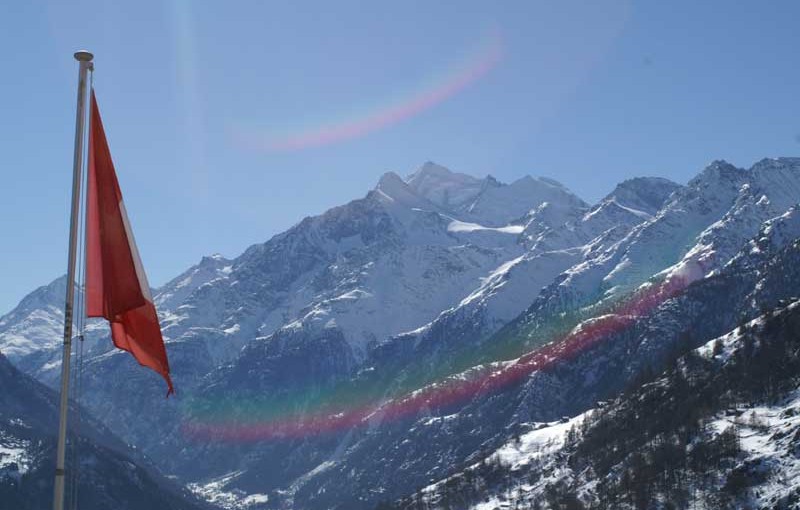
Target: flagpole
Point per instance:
(84, 59)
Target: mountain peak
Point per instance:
(526, 180)
(505, 203)
(719, 171)
(390, 180)
(214, 258)
(431, 175)
(35, 322)
(720, 166)
(430, 169)
(768, 163)
(392, 188)
(444, 187)
(646, 194)
(46, 295)
(491, 179)
(487, 200)
(778, 178)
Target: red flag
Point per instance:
(116, 286)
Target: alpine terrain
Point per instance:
(452, 342)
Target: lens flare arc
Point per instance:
(454, 390)
(478, 66)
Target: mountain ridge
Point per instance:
(410, 284)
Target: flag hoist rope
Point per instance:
(84, 59)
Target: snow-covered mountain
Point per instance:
(686, 214)
(360, 273)
(443, 437)
(373, 268)
(425, 282)
(376, 267)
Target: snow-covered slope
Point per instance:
(668, 236)
(772, 187)
(707, 433)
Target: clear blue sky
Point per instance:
(588, 93)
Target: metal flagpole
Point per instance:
(85, 61)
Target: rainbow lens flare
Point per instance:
(338, 411)
(476, 66)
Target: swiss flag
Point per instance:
(116, 286)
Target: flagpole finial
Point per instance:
(83, 56)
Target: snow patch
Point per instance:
(462, 226)
(235, 499)
(14, 458)
(545, 439)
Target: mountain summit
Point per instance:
(487, 200)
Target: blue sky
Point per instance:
(588, 93)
